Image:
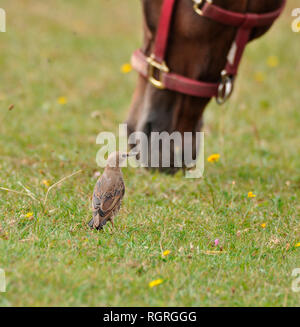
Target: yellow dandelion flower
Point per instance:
(29, 215)
(259, 77)
(214, 157)
(272, 61)
(297, 245)
(167, 252)
(126, 68)
(155, 283)
(46, 183)
(263, 225)
(251, 195)
(62, 100)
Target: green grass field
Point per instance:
(74, 49)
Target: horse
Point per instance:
(191, 53)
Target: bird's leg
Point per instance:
(111, 228)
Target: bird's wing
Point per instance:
(96, 200)
(106, 197)
(113, 197)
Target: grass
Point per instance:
(75, 50)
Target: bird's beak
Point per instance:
(132, 154)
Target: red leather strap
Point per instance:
(232, 18)
(189, 86)
(162, 34)
(175, 82)
(248, 22)
(240, 43)
(139, 62)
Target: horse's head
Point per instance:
(197, 48)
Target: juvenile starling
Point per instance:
(108, 192)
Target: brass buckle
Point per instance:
(162, 68)
(225, 88)
(198, 3)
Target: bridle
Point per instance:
(156, 70)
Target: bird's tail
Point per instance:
(103, 222)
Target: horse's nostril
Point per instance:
(147, 129)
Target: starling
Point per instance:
(108, 192)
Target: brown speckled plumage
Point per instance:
(108, 194)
